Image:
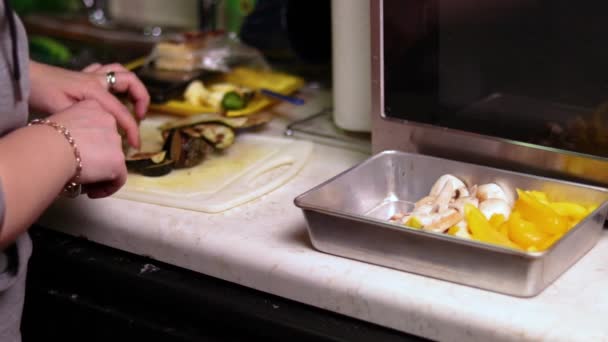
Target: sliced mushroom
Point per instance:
(441, 182)
(491, 190)
(425, 209)
(461, 192)
(473, 190)
(463, 230)
(459, 203)
(493, 206)
(444, 221)
(445, 196)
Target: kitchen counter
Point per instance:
(264, 245)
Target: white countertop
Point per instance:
(264, 245)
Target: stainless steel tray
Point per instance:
(348, 216)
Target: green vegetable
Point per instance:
(233, 101)
(48, 50)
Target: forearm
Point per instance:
(38, 100)
(35, 163)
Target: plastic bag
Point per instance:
(212, 51)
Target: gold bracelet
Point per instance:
(72, 188)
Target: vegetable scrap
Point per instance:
(220, 97)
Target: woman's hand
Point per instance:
(95, 133)
(126, 81)
(54, 89)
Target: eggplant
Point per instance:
(159, 169)
(232, 122)
(192, 132)
(185, 150)
(204, 118)
(219, 136)
(142, 160)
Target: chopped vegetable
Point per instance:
(186, 151)
(219, 96)
(540, 214)
(497, 220)
(524, 233)
(414, 223)
(482, 230)
(139, 161)
(220, 136)
(488, 213)
(453, 230)
(233, 101)
(158, 170)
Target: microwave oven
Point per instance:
(516, 84)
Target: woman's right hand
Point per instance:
(95, 132)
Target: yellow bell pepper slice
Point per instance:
(591, 208)
(453, 230)
(548, 242)
(496, 220)
(414, 223)
(532, 249)
(572, 210)
(504, 229)
(482, 230)
(539, 196)
(524, 233)
(545, 218)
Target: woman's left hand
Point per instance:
(54, 89)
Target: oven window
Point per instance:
(532, 71)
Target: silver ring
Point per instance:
(110, 79)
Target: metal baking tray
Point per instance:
(348, 216)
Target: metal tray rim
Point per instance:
(300, 197)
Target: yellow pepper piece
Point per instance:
(548, 242)
(573, 222)
(453, 230)
(504, 229)
(539, 196)
(524, 233)
(414, 223)
(572, 210)
(591, 208)
(496, 220)
(482, 230)
(545, 218)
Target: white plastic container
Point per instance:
(351, 64)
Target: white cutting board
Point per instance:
(253, 166)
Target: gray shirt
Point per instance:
(13, 114)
